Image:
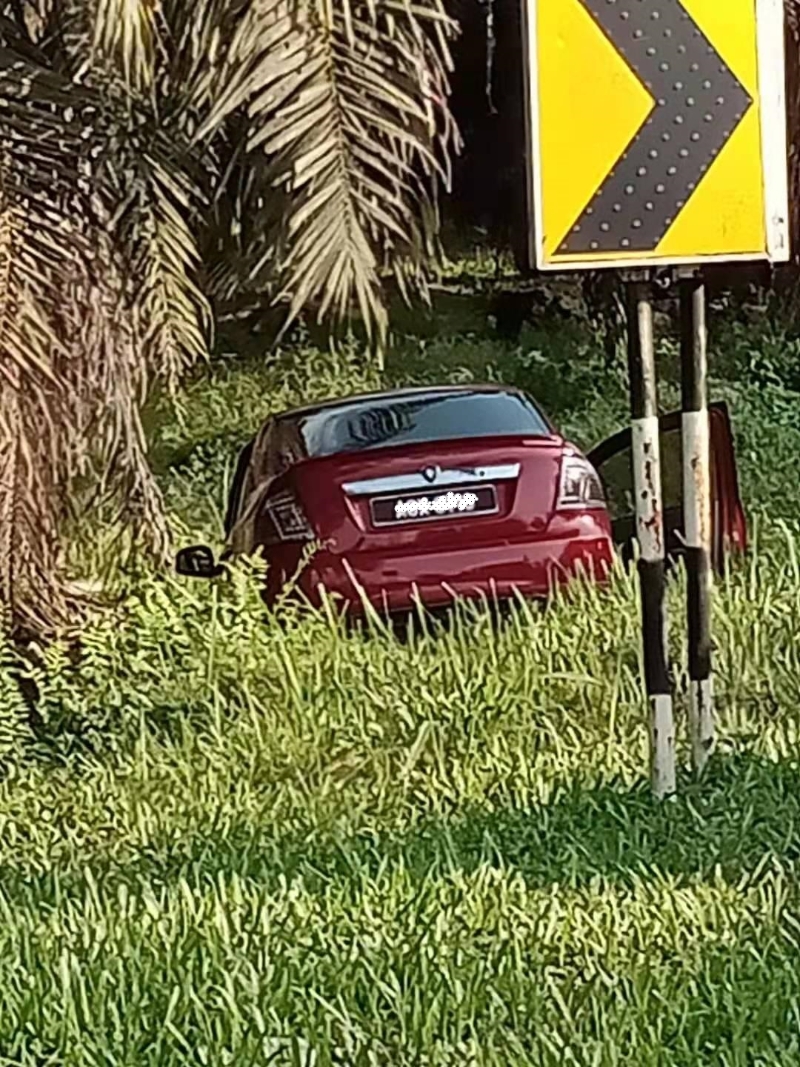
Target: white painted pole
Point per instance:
(697, 517)
(650, 535)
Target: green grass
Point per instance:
(238, 837)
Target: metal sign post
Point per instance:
(657, 138)
(650, 534)
(697, 515)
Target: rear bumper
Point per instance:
(497, 572)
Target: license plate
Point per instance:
(426, 507)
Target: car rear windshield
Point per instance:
(412, 419)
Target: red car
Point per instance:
(430, 493)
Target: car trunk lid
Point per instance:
(422, 498)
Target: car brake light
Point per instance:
(580, 485)
(288, 517)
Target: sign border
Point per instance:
(770, 27)
(771, 60)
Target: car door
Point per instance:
(612, 459)
(237, 486)
(275, 449)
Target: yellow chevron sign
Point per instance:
(657, 132)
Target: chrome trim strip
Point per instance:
(405, 483)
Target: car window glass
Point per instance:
(362, 425)
(617, 476)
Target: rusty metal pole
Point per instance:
(650, 535)
(697, 515)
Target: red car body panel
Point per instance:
(527, 547)
(578, 547)
(530, 539)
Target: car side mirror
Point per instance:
(197, 561)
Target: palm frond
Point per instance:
(71, 362)
(30, 467)
(155, 230)
(348, 102)
(298, 146)
(240, 246)
(106, 384)
(126, 33)
(45, 211)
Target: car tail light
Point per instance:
(580, 485)
(288, 517)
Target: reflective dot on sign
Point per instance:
(695, 136)
(649, 205)
(682, 49)
(637, 224)
(680, 204)
(679, 120)
(695, 67)
(577, 228)
(590, 211)
(691, 186)
(604, 226)
(708, 117)
(665, 137)
(672, 171)
(629, 190)
(706, 84)
(617, 208)
(623, 14)
(678, 86)
(638, 34)
(653, 153)
(720, 101)
(642, 171)
(655, 15)
(661, 188)
(684, 152)
(662, 102)
(667, 222)
(667, 33)
(690, 101)
(651, 51)
(594, 246)
(663, 66)
(625, 242)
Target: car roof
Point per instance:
(395, 394)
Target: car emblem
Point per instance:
(429, 474)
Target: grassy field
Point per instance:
(247, 839)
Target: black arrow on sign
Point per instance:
(699, 102)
